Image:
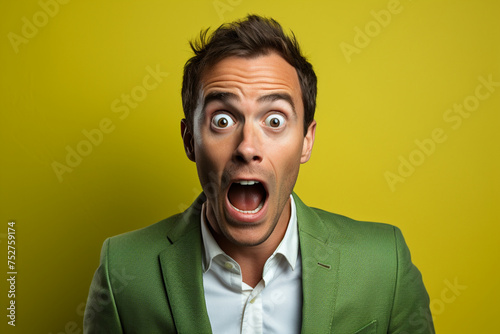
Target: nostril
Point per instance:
(247, 159)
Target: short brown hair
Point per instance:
(251, 37)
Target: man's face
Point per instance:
(248, 142)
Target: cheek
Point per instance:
(211, 157)
(286, 162)
(287, 153)
(215, 149)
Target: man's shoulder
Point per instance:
(145, 238)
(374, 242)
(337, 221)
(333, 220)
(346, 231)
(155, 238)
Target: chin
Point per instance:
(244, 234)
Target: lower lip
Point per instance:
(246, 217)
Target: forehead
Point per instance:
(252, 77)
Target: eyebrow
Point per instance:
(278, 96)
(219, 96)
(224, 97)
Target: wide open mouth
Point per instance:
(247, 196)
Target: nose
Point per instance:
(249, 146)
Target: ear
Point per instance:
(187, 139)
(308, 142)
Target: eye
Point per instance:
(275, 121)
(222, 121)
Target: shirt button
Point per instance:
(228, 265)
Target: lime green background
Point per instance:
(370, 112)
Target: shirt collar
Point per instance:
(288, 247)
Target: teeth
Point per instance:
(247, 183)
(251, 211)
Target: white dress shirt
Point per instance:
(273, 306)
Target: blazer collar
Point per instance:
(320, 263)
(182, 272)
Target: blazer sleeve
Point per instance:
(101, 314)
(410, 311)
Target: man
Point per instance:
(249, 256)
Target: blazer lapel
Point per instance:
(181, 265)
(320, 275)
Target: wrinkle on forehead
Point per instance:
(251, 76)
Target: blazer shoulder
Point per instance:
(171, 228)
(146, 235)
(143, 244)
(356, 234)
(335, 221)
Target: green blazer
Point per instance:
(357, 277)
